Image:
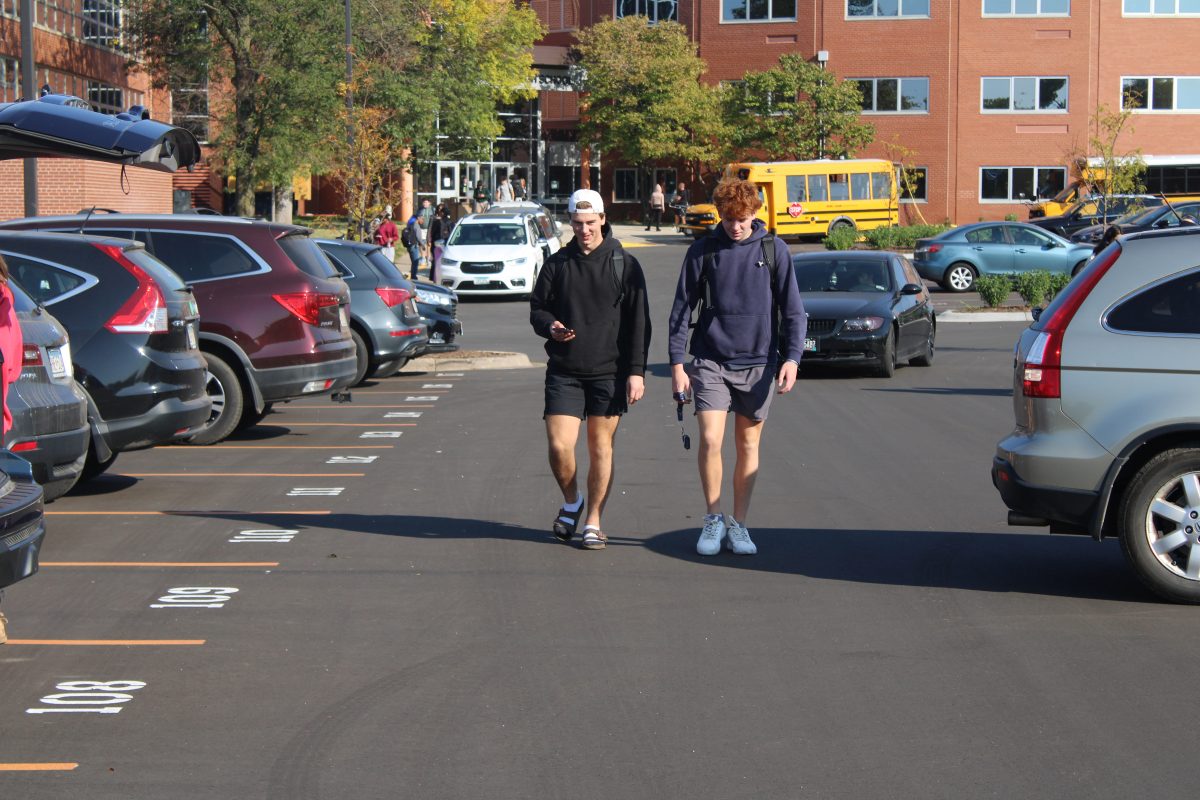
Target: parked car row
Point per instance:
(500, 251)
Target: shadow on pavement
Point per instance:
(102, 485)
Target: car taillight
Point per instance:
(929, 249)
(1042, 370)
(306, 305)
(146, 310)
(392, 297)
(31, 356)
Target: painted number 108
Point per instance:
(195, 597)
(88, 697)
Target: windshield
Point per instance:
(1139, 216)
(488, 233)
(843, 275)
(1066, 194)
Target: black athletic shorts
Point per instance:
(585, 397)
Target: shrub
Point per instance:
(841, 238)
(1034, 286)
(1058, 282)
(902, 237)
(1010, 217)
(994, 289)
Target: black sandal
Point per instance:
(568, 522)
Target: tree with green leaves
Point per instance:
(642, 96)
(796, 111)
(280, 63)
(1120, 171)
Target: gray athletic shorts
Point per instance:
(745, 391)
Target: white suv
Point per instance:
(492, 254)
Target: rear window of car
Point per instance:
(21, 300)
(1169, 307)
(202, 256)
(306, 255)
(387, 270)
(45, 282)
(166, 277)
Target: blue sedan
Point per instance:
(957, 257)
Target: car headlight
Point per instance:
(860, 324)
(449, 262)
(433, 298)
(517, 262)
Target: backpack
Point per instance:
(406, 236)
(704, 302)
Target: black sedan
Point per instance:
(439, 310)
(865, 308)
(1145, 219)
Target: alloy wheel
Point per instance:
(1172, 526)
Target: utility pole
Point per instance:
(28, 83)
(358, 231)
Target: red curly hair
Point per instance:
(737, 199)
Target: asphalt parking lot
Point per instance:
(363, 600)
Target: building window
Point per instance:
(887, 8)
(189, 109)
(912, 191)
(1027, 8)
(10, 80)
(625, 186)
(1013, 184)
(1161, 8)
(758, 10)
(1026, 95)
(654, 10)
(1160, 94)
(894, 95)
(105, 98)
(102, 22)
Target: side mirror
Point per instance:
(911, 288)
(1054, 244)
(1163, 223)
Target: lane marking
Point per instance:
(346, 407)
(49, 766)
(350, 424)
(382, 391)
(185, 448)
(437, 386)
(403, 414)
(109, 642)
(241, 474)
(316, 491)
(352, 460)
(421, 398)
(187, 564)
(181, 512)
(447, 374)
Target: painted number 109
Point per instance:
(88, 697)
(195, 597)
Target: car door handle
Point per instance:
(977, 247)
(1019, 250)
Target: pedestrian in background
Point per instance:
(439, 232)
(481, 198)
(743, 281)
(520, 191)
(424, 218)
(412, 243)
(386, 236)
(590, 302)
(504, 192)
(658, 203)
(11, 346)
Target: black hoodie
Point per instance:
(609, 312)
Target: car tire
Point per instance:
(1168, 482)
(926, 357)
(93, 467)
(229, 401)
(1075, 270)
(362, 356)
(959, 277)
(887, 361)
(250, 417)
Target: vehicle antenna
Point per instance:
(86, 218)
(1172, 208)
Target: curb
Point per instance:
(468, 360)
(984, 316)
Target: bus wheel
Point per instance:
(841, 224)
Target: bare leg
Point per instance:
(747, 433)
(562, 431)
(601, 432)
(712, 434)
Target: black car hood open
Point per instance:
(61, 125)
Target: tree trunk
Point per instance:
(244, 193)
(283, 204)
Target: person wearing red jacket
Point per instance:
(387, 235)
(11, 345)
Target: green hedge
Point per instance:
(902, 237)
(841, 238)
(994, 289)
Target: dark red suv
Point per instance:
(273, 311)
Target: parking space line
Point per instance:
(186, 449)
(49, 766)
(108, 642)
(346, 407)
(183, 513)
(240, 474)
(358, 424)
(182, 564)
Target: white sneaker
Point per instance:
(711, 535)
(739, 539)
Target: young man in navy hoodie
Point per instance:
(590, 302)
(742, 279)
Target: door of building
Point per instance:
(447, 183)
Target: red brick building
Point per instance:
(76, 52)
(993, 97)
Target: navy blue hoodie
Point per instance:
(737, 330)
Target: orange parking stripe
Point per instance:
(185, 448)
(357, 424)
(65, 766)
(240, 474)
(110, 642)
(188, 564)
(181, 512)
(350, 407)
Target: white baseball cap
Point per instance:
(588, 196)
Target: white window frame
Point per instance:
(637, 186)
(899, 95)
(1174, 109)
(650, 4)
(911, 200)
(877, 16)
(1010, 200)
(766, 20)
(1012, 4)
(1011, 93)
(1153, 13)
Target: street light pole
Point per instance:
(28, 82)
(350, 116)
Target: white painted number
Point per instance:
(413, 398)
(448, 375)
(316, 491)
(195, 597)
(380, 434)
(437, 386)
(403, 414)
(88, 697)
(352, 460)
(264, 536)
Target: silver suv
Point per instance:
(1107, 402)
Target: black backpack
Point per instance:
(406, 236)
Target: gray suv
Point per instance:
(1107, 402)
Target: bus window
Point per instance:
(860, 185)
(795, 189)
(881, 183)
(818, 188)
(839, 187)
(743, 174)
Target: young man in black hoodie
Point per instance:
(590, 302)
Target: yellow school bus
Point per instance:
(812, 198)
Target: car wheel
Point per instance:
(93, 467)
(926, 358)
(362, 358)
(887, 360)
(1077, 268)
(1160, 525)
(250, 417)
(228, 399)
(959, 277)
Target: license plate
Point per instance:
(343, 318)
(58, 364)
(810, 345)
(482, 282)
(193, 342)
